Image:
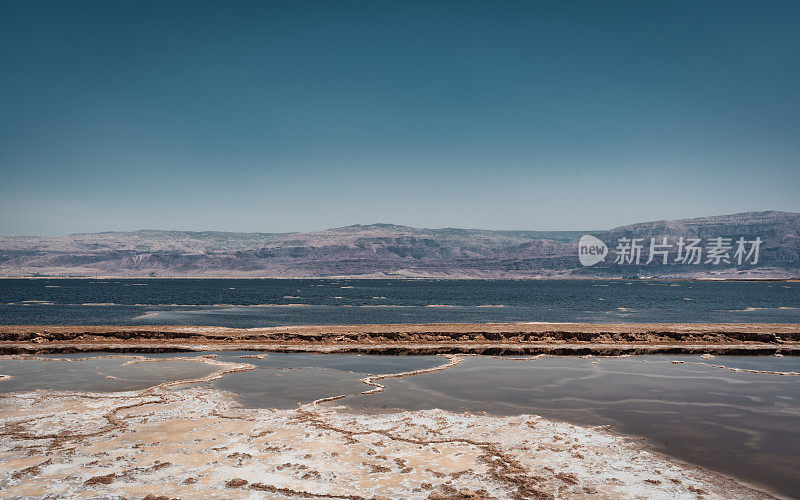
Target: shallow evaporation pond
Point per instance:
(742, 424)
(758, 363)
(98, 374)
(289, 387)
(373, 364)
(149, 355)
(284, 380)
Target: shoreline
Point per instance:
(414, 339)
(321, 450)
(794, 279)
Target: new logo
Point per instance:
(591, 250)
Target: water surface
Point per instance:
(742, 424)
(99, 374)
(248, 303)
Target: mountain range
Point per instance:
(392, 251)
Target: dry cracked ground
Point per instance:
(190, 441)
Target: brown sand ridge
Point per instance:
(451, 338)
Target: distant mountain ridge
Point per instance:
(388, 250)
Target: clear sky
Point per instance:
(295, 116)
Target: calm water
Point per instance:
(373, 364)
(283, 380)
(253, 303)
(95, 375)
(742, 424)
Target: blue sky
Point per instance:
(298, 116)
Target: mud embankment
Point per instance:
(454, 338)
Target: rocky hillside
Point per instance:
(386, 250)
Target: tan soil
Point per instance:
(468, 338)
(198, 443)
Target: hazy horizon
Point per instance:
(586, 230)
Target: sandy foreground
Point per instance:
(180, 440)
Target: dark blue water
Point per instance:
(248, 303)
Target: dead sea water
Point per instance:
(248, 303)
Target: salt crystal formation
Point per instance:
(199, 443)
